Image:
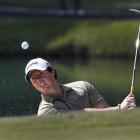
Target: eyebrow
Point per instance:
(30, 74)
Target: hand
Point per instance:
(128, 103)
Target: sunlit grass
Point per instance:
(84, 126)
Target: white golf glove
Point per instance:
(128, 103)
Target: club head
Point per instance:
(134, 10)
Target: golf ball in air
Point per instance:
(25, 45)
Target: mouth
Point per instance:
(43, 88)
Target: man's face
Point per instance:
(45, 82)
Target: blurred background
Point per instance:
(90, 40)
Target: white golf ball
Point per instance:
(25, 45)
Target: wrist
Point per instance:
(119, 107)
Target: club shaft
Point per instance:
(135, 62)
(134, 73)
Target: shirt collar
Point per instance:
(65, 90)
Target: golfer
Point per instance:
(76, 96)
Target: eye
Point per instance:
(34, 78)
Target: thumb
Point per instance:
(130, 95)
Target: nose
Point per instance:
(40, 82)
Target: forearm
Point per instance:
(102, 109)
(127, 104)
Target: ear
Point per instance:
(53, 72)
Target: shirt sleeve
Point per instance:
(46, 108)
(94, 97)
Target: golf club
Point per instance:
(134, 10)
(135, 62)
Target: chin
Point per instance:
(51, 93)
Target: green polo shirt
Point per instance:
(76, 96)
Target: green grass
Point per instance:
(111, 4)
(72, 126)
(69, 37)
(101, 37)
